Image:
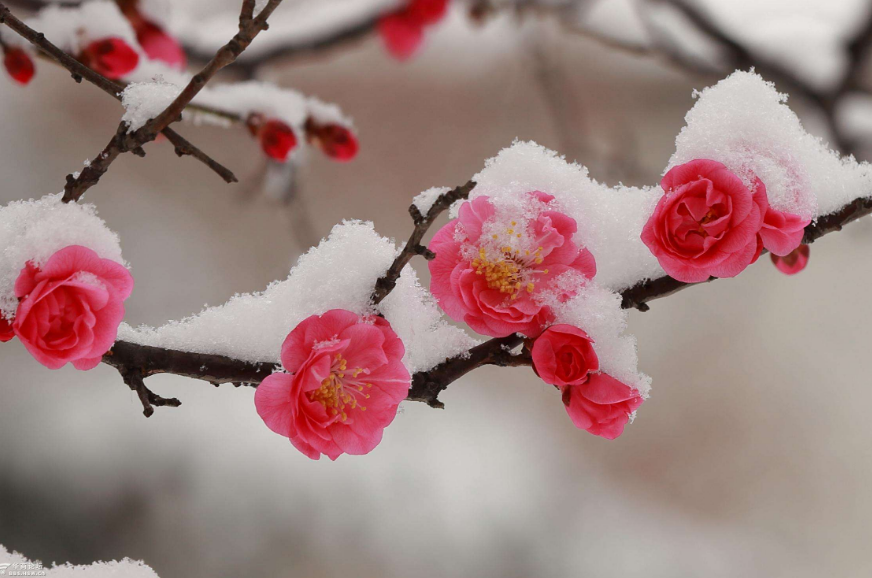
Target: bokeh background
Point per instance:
(752, 457)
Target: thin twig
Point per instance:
(79, 71)
(413, 247)
(123, 141)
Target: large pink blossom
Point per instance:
(496, 272)
(70, 309)
(706, 223)
(346, 379)
(564, 357)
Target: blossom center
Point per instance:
(340, 391)
(509, 269)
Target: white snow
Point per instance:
(744, 123)
(245, 98)
(34, 230)
(598, 312)
(239, 99)
(610, 220)
(340, 273)
(418, 321)
(21, 566)
(424, 201)
(144, 101)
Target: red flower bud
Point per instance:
(159, 45)
(277, 139)
(111, 57)
(19, 65)
(334, 140)
(6, 332)
(427, 11)
(793, 262)
(402, 35)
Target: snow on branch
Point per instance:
(742, 122)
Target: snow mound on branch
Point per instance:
(144, 101)
(73, 28)
(610, 220)
(238, 100)
(744, 123)
(34, 230)
(424, 201)
(340, 273)
(598, 312)
(126, 568)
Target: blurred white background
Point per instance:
(752, 457)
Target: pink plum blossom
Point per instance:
(707, 222)
(70, 308)
(495, 271)
(346, 380)
(564, 357)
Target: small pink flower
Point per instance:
(602, 406)
(6, 331)
(69, 310)
(19, 65)
(159, 45)
(793, 262)
(346, 381)
(563, 355)
(112, 57)
(706, 223)
(494, 272)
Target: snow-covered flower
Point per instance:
(495, 270)
(706, 223)
(70, 308)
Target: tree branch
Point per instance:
(124, 141)
(79, 71)
(413, 247)
(426, 385)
